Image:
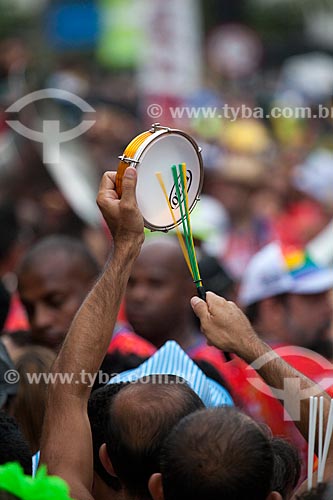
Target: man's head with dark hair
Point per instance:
(140, 417)
(98, 413)
(297, 319)
(216, 453)
(54, 278)
(287, 298)
(13, 447)
(287, 467)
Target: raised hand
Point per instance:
(122, 215)
(223, 323)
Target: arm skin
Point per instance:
(227, 328)
(66, 445)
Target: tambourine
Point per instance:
(155, 151)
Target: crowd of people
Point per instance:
(174, 423)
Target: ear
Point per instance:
(105, 459)
(155, 486)
(274, 495)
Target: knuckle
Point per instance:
(221, 303)
(125, 206)
(233, 306)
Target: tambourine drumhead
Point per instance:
(157, 153)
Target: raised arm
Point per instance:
(226, 327)
(66, 439)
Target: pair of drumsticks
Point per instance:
(186, 243)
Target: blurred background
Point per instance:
(265, 178)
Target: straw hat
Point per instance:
(241, 169)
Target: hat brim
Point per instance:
(314, 282)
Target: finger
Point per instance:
(129, 185)
(199, 307)
(107, 190)
(108, 181)
(214, 302)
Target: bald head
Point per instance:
(54, 278)
(165, 253)
(141, 416)
(64, 248)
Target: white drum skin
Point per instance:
(158, 152)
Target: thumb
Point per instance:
(199, 307)
(129, 184)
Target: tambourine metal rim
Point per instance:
(132, 157)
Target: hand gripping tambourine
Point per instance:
(156, 151)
